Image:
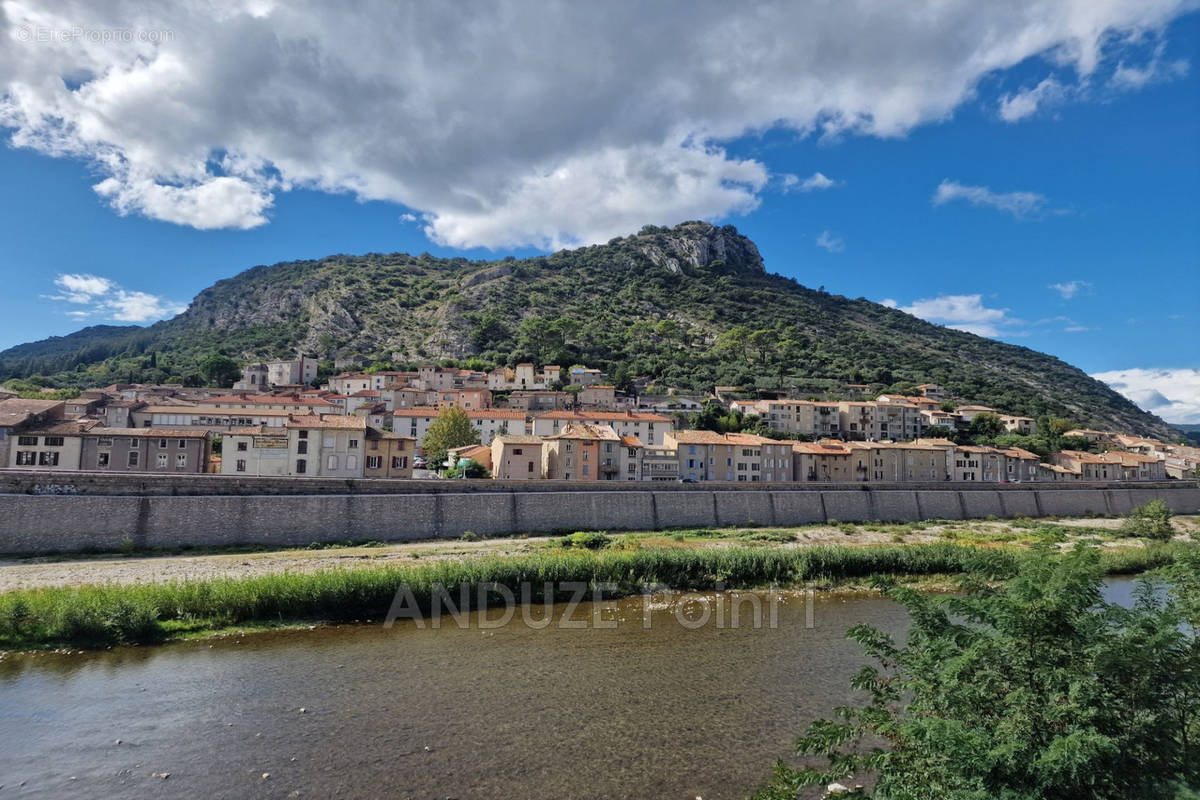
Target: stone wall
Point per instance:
(60, 520)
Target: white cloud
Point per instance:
(1019, 204)
(813, 183)
(107, 300)
(1070, 289)
(834, 244)
(1173, 394)
(962, 312)
(617, 116)
(1025, 103)
(1131, 77)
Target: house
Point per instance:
(256, 450)
(981, 464)
(17, 414)
(262, 375)
(388, 455)
(480, 454)
(1054, 472)
(52, 446)
(524, 377)
(968, 413)
(395, 397)
(1135, 466)
(1091, 435)
(1021, 466)
(647, 428)
(586, 452)
(931, 391)
(326, 446)
(822, 462)
(897, 462)
(598, 396)
(145, 450)
(539, 401)
(348, 383)
(583, 376)
(466, 399)
(668, 403)
(1023, 425)
(734, 457)
(363, 398)
(516, 457)
(204, 417)
(81, 406)
(581, 452)
(660, 464)
(440, 379)
(1088, 466)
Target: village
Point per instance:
(527, 423)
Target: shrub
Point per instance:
(469, 536)
(1152, 520)
(588, 540)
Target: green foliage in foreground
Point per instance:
(1037, 690)
(114, 614)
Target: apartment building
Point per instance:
(296, 403)
(822, 462)
(466, 399)
(17, 415)
(897, 463)
(660, 464)
(326, 446)
(650, 429)
(733, 457)
(488, 423)
(582, 452)
(524, 377)
(204, 417)
(1135, 466)
(54, 446)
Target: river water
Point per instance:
(459, 712)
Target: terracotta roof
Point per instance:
(16, 410)
(821, 448)
(588, 432)
(631, 441)
(257, 430)
(1017, 452)
(601, 416)
(1082, 457)
(149, 433)
(375, 433)
(331, 421)
(512, 438)
(1129, 459)
(73, 427)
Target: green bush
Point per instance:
(1152, 520)
(588, 540)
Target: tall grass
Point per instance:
(115, 614)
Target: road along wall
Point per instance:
(38, 523)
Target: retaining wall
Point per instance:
(40, 523)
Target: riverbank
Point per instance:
(157, 566)
(105, 615)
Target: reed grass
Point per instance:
(102, 615)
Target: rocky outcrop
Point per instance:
(695, 246)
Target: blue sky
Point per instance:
(1052, 202)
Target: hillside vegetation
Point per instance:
(688, 307)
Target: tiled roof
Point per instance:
(512, 438)
(331, 421)
(149, 433)
(821, 448)
(16, 410)
(602, 433)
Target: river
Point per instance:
(460, 712)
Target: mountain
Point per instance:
(691, 306)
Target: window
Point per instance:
(104, 441)
(351, 462)
(242, 446)
(241, 465)
(182, 443)
(302, 448)
(328, 441)
(374, 462)
(331, 462)
(134, 444)
(354, 444)
(162, 461)
(530, 467)
(162, 443)
(399, 462)
(134, 455)
(303, 434)
(53, 441)
(27, 441)
(26, 458)
(181, 461)
(516, 451)
(102, 459)
(301, 466)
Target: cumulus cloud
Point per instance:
(1173, 394)
(1070, 289)
(505, 123)
(104, 299)
(962, 312)
(813, 183)
(834, 244)
(1019, 204)
(1026, 102)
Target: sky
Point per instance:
(1027, 171)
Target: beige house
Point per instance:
(733, 457)
(1093, 436)
(56, 446)
(523, 377)
(539, 401)
(516, 457)
(598, 396)
(326, 446)
(17, 415)
(897, 462)
(258, 451)
(388, 455)
(488, 423)
(1023, 425)
(660, 464)
(822, 462)
(582, 452)
(1136, 467)
(1088, 466)
(1021, 466)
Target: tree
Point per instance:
(452, 428)
(1038, 690)
(938, 432)
(986, 425)
(220, 370)
(470, 469)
